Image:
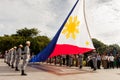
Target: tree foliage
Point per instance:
(21, 36)
(28, 32)
(99, 46)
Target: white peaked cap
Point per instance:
(21, 45)
(27, 42)
(15, 47)
(11, 48)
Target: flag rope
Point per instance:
(84, 12)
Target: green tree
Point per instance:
(100, 46)
(114, 48)
(42, 41)
(28, 32)
(21, 36)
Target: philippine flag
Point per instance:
(72, 38)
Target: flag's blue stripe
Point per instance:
(43, 55)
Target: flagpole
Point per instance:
(84, 12)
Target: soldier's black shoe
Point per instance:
(16, 69)
(23, 73)
(12, 66)
(94, 69)
(4, 61)
(8, 64)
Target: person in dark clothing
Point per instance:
(118, 61)
(98, 61)
(55, 60)
(80, 59)
(90, 63)
(67, 60)
(60, 60)
(70, 61)
(63, 59)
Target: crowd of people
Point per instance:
(68, 60)
(13, 57)
(93, 60)
(110, 61)
(76, 60)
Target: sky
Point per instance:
(103, 17)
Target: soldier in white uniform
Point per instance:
(10, 56)
(18, 57)
(13, 57)
(5, 56)
(26, 57)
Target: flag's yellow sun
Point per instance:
(87, 43)
(71, 27)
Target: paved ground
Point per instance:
(51, 72)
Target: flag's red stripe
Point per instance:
(65, 49)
